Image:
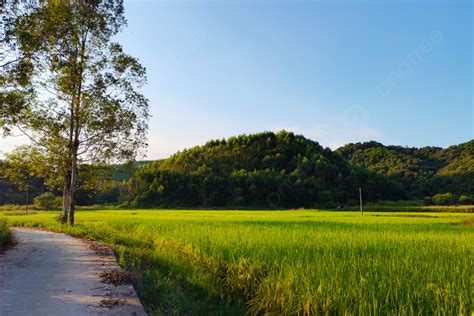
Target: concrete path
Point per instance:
(55, 274)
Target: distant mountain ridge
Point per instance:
(454, 159)
(423, 171)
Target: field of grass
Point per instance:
(287, 262)
(407, 207)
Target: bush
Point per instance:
(11, 207)
(444, 199)
(18, 213)
(465, 200)
(5, 233)
(428, 200)
(47, 201)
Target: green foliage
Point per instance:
(449, 199)
(459, 158)
(285, 170)
(465, 200)
(417, 172)
(268, 170)
(260, 170)
(5, 234)
(23, 167)
(444, 199)
(47, 201)
(123, 172)
(101, 192)
(288, 262)
(79, 91)
(16, 177)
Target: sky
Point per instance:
(398, 72)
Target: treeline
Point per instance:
(11, 194)
(109, 187)
(285, 170)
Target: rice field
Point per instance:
(287, 262)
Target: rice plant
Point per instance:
(288, 262)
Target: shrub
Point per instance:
(428, 200)
(11, 207)
(444, 199)
(465, 200)
(5, 234)
(47, 201)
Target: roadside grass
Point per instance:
(5, 235)
(286, 262)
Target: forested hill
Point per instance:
(260, 170)
(282, 170)
(283, 151)
(421, 171)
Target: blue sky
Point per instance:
(399, 72)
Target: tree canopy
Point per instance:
(282, 170)
(260, 170)
(73, 91)
(420, 172)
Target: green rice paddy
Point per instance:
(287, 262)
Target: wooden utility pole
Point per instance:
(360, 198)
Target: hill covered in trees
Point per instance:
(260, 170)
(420, 172)
(282, 170)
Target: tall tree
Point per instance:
(84, 104)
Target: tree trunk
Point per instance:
(72, 200)
(27, 200)
(66, 198)
(75, 129)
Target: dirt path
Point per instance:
(55, 274)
